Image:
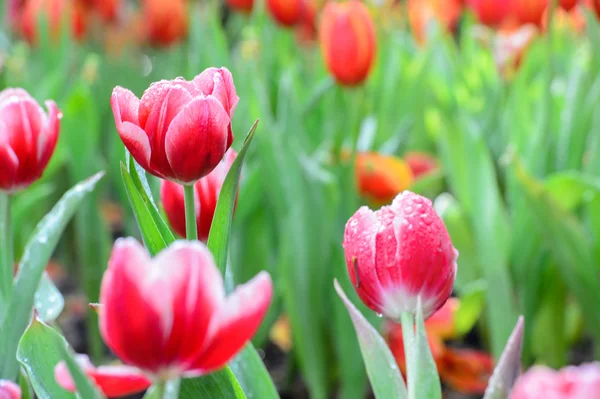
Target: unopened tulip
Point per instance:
(421, 13)
(169, 316)
(244, 6)
(166, 21)
(107, 9)
(490, 12)
(55, 12)
(529, 11)
(113, 381)
(596, 6)
(421, 163)
(207, 193)
(348, 42)
(381, 177)
(400, 255)
(568, 5)
(28, 137)
(179, 130)
(9, 390)
(573, 382)
(286, 12)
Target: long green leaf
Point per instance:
(252, 374)
(221, 384)
(31, 268)
(85, 388)
(382, 369)
(48, 301)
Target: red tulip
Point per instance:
(54, 11)
(169, 315)
(113, 381)
(207, 193)
(400, 254)
(571, 382)
(568, 5)
(421, 163)
(179, 130)
(9, 390)
(529, 11)
(490, 12)
(107, 9)
(166, 21)
(596, 6)
(244, 6)
(286, 12)
(348, 43)
(381, 178)
(27, 138)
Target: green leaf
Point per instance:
(252, 375)
(138, 175)
(508, 368)
(31, 268)
(382, 369)
(26, 391)
(221, 384)
(151, 235)
(85, 388)
(570, 188)
(48, 301)
(472, 302)
(40, 350)
(218, 239)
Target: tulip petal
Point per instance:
(197, 139)
(9, 390)
(113, 381)
(172, 198)
(13, 94)
(236, 322)
(9, 162)
(219, 83)
(49, 136)
(125, 106)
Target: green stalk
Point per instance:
(191, 231)
(6, 252)
(407, 320)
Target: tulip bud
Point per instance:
(9, 390)
(569, 383)
(113, 381)
(207, 194)
(490, 12)
(348, 42)
(380, 177)
(568, 5)
(165, 21)
(169, 315)
(286, 12)
(421, 163)
(179, 130)
(54, 11)
(596, 7)
(400, 255)
(27, 138)
(529, 11)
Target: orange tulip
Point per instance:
(165, 21)
(54, 11)
(380, 177)
(421, 163)
(107, 9)
(286, 12)
(348, 43)
(529, 11)
(490, 12)
(421, 12)
(243, 6)
(574, 19)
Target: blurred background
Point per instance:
(488, 107)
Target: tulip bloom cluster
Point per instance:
(582, 382)
(496, 12)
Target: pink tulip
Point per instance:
(27, 138)
(582, 382)
(179, 130)
(207, 194)
(169, 315)
(400, 254)
(113, 381)
(9, 390)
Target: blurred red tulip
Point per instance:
(421, 13)
(573, 20)
(169, 315)
(596, 6)
(28, 137)
(166, 21)
(286, 12)
(381, 177)
(348, 42)
(179, 130)
(306, 29)
(9, 390)
(399, 255)
(573, 382)
(568, 5)
(529, 11)
(421, 163)
(490, 12)
(54, 11)
(207, 193)
(107, 9)
(113, 381)
(244, 6)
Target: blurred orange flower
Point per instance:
(421, 163)
(529, 11)
(381, 177)
(286, 12)
(574, 19)
(568, 5)
(54, 11)
(465, 370)
(422, 12)
(107, 9)
(165, 21)
(490, 12)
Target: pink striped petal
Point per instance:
(9, 390)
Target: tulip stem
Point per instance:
(6, 252)
(191, 231)
(407, 320)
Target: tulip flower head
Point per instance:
(286, 12)
(169, 315)
(179, 130)
(166, 21)
(530, 11)
(490, 12)
(28, 137)
(207, 193)
(568, 5)
(348, 42)
(421, 163)
(573, 382)
(399, 256)
(380, 178)
(9, 390)
(55, 12)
